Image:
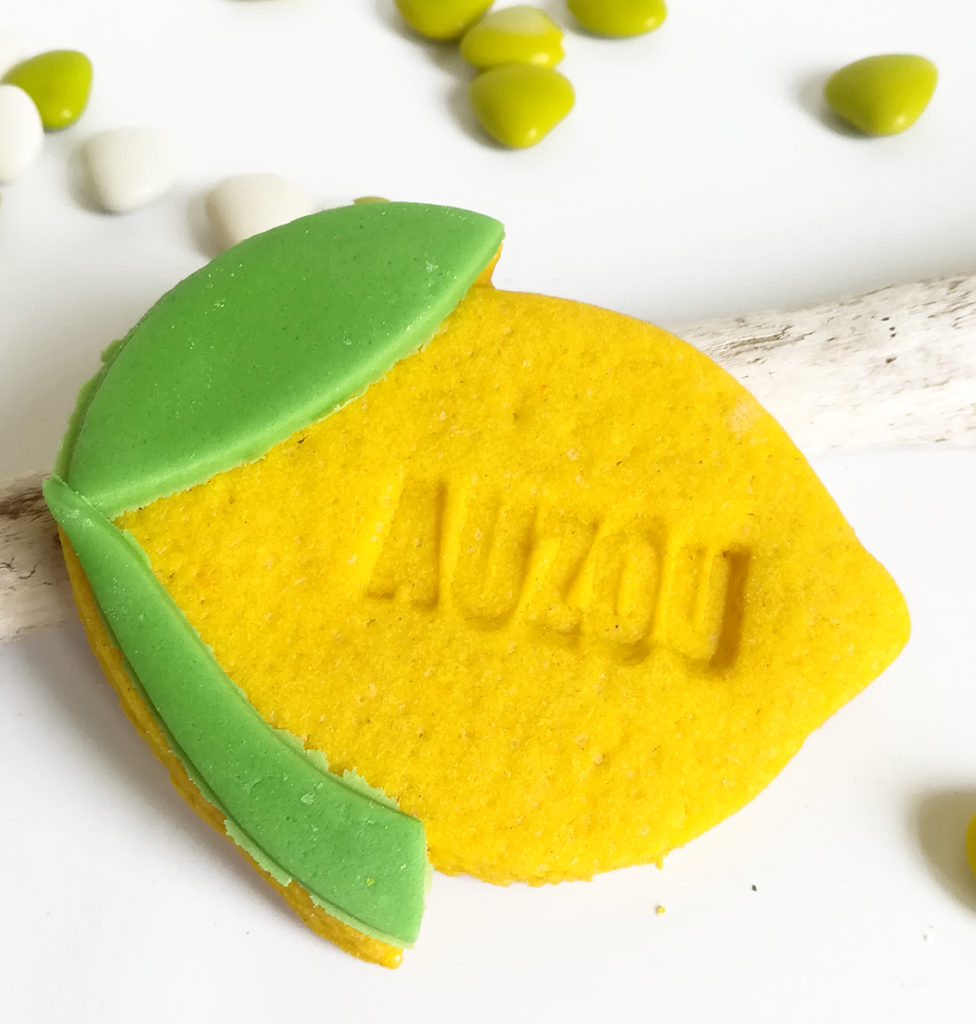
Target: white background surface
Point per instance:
(696, 177)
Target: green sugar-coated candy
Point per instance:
(442, 19)
(519, 104)
(619, 17)
(882, 95)
(59, 82)
(515, 35)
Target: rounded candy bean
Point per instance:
(21, 132)
(619, 17)
(519, 104)
(59, 83)
(514, 35)
(129, 167)
(882, 95)
(248, 204)
(441, 19)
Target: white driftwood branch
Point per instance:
(33, 582)
(896, 366)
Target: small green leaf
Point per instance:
(271, 336)
(364, 861)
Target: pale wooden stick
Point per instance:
(33, 582)
(895, 366)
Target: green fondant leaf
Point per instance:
(268, 338)
(88, 389)
(358, 857)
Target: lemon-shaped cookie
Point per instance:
(388, 564)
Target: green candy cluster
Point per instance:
(518, 96)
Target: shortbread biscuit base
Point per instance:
(556, 584)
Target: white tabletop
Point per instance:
(696, 177)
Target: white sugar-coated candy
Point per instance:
(247, 204)
(128, 168)
(10, 52)
(21, 132)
